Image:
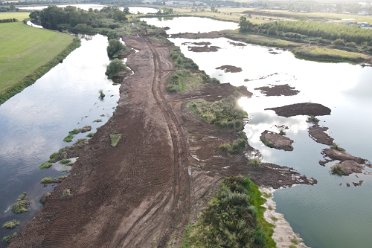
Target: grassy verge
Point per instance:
(324, 54)
(223, 113)
(233, 218)
(27, 53)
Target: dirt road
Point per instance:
(134, 195)
(143, 192)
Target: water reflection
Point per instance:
(330, 214)
(34, 122)
(190, 24)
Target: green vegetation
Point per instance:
(27, 53)
(115, 138)
(101, 95)
(338, 170)
(11, 224)
(68, 138)
(9, 237)
(337, 147)
(184, 80)
(20, 16)
(49, 180)
(325, 54)
(90, 135)
(223, 113)
(237, 146)
(116, 49)
(254, 162)
(115, 68)
(66, 193)
(65, 161)
(21, 205)
(45, 165)
(181, 61)
(234, 218)
(312, 119)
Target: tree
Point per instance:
(126, 10)
(244, 25)
(114, 68)
(114, 48)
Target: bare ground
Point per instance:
(144, 191)
(308, 108)
(278, 90)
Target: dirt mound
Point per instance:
(229, 68)
(203, 49)
(277, 141)
(313, 109)
(319, 135)
(278, 90)
(346, 168)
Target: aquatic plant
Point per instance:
(11, 224)
(21, 205)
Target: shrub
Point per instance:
(21, 205)
(114, 68)
(115, 48)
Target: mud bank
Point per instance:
(229, 68)
(278, 90)
(276, 140)
(144, 191)
(312, 109)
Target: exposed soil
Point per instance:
(278, 90)
(144, 191)
(348, 167)
(202, 43)
(277, 141)
(314, 109)
(319, 135)
(331, 154)
(203, 49)
(237, 43)
(229, 68)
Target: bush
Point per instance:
(115, 48)
(114, 68)
(21, 205)
(236, 147)
(233, 218)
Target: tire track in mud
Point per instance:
(178, 200)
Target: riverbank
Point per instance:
(28, 53)
(147, 188)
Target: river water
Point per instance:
(34, 122)
(329, 214)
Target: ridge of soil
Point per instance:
(307, 108)
(278, 90)
(144, 191)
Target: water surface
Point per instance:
(327, 214)
(34, 122)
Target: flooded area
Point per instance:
(335, 212)
(34, 122)
(190, 24)
(132, 10)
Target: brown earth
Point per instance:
(319, 135)
(276, 140)
(348, 167)
(314, 109)
(229, 68)
(278, 90)
(144, 191)
(202, 43)
(333, 154)
(203, 49)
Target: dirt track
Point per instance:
(143, 192)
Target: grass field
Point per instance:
(327, 54)
(17, 15)
(25, 55)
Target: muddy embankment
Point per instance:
(144, 191)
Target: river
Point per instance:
(329, 214)
(34, 122)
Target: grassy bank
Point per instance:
(233, 218)
(27, 53)
(20, 16)
(325, 54)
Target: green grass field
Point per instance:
(25, 52)
(17, 15)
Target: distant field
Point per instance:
(24, 50)
(17, 15)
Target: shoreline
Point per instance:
(166, 160)
(283, 235)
